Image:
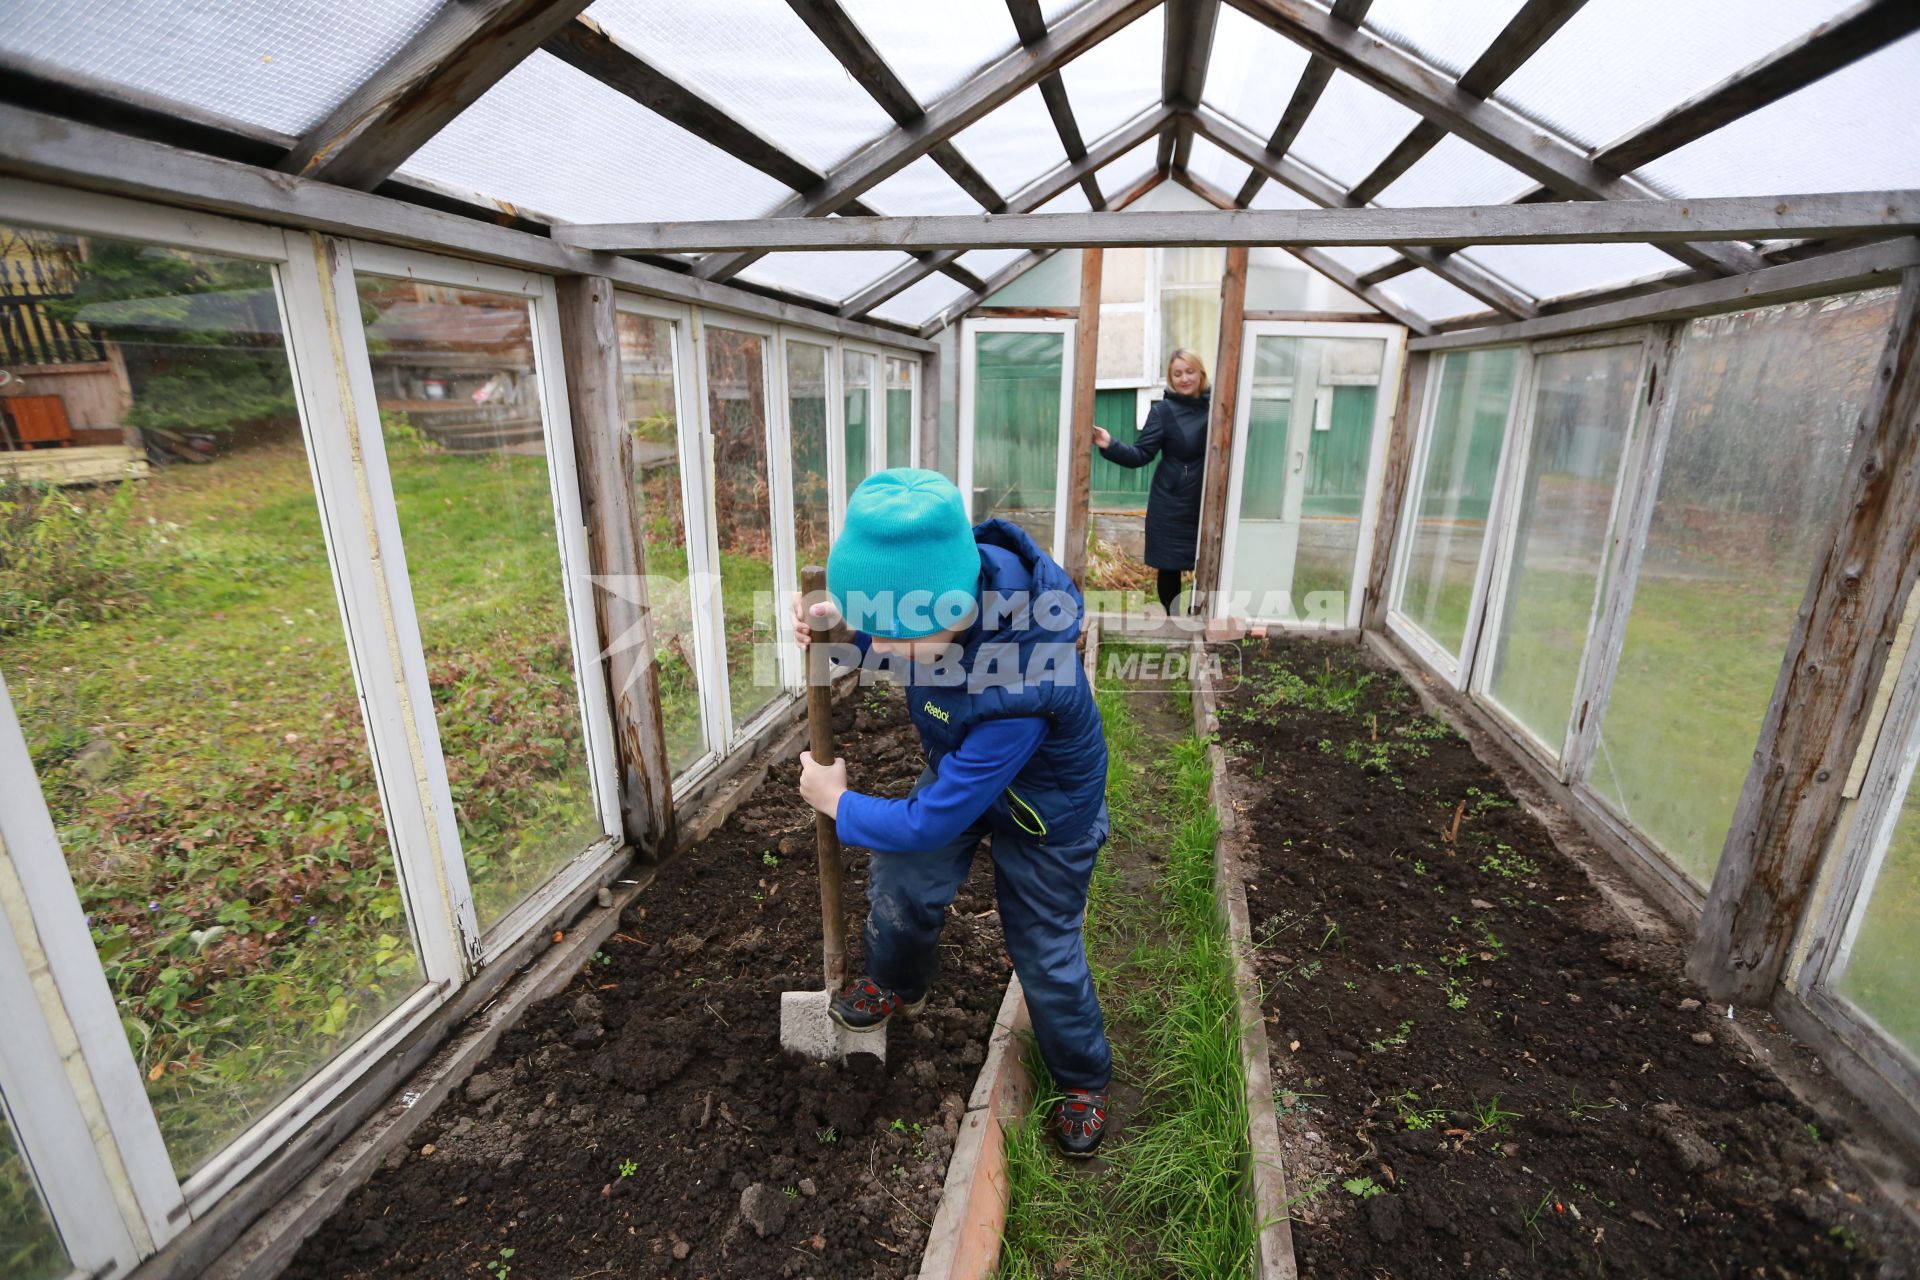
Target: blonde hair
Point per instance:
(1191, 357)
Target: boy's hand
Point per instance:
(1102, 437)
(822, 616)
(822, 785)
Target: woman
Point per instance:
(1177, 429)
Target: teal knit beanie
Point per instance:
(905, 565)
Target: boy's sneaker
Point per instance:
(1078, 1122)
(863, 1005)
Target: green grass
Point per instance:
(29, 1246)
(202, 753)
(1170, 1200)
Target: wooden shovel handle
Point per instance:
(826, 839)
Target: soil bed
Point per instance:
(1481, 1069)
(645, 1122)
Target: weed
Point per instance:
(1844, 1234)
(1580, 1110)
(601, 959)
(1419, 867)
(1532, 1219)
(1362, 1187)
(791, 1193)
(1490, 1115)
(1456, 994)
(499, 1267)
(1413, 1115)
(828, 1136)
(1509, 865)
(628, 1168)
(769, 858)
(1813, 1131)
(1394, 1041)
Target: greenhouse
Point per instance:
(1483, 442)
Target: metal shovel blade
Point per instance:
(808, 1030)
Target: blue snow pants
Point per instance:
(1042, 890)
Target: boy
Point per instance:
(985, 623)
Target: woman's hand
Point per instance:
(822, 785)
(1102, 437)
(822, 615)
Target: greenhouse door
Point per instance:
(1309, 438)
(1016, 379)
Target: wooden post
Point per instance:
(929, 404)
(610, 505)
(1393, 488)
(1226, 392)
(1834, 664)
(1086, 361)
(826, 836)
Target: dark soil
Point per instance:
(663, 1060)
(1414, 981)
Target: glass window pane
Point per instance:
(1766, 405)
(1190, 303)
(460, 407)
(30, 1248)
(1310, 425)
(857, 388)
(1582, 413)
(174, 650)
(900, 374)
(1016, 428)
(1882, 968)
(1472, 397)
(807, 420)
(737, 418)
(647, 386)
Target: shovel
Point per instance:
(805, 1026)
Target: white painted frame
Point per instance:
(1393, 352)
(970, 330)
(1515, 459)
(1398, 622)
(693, 514)
(912, 361)
(773, 440)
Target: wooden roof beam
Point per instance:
(993, 86)
(1032, 27)
(1028, 198)
(1544, 156)
(1183, 70)
(463, 51)
(584, 45)
(846, 42)
(1322, 191)
(1306, 95)
(1329, 267)
(1519, 40)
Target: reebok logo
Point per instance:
(938, 713)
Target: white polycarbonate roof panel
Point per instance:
(1278, 195)
(1118, 78)
(933, 47)
(282, 66)
(1015, 144)
(1450, 36)
(1856, 130)
(1128, 168)
(1351, 130)
(1214, 166)
(1251, 71)
(921, 301)
(923, 187)
(1456, 172)
(831, 276)
(1428, 296)
(1550, 270)
(1618, 64)
(1072, 200)
(984, 262)
(1359, 259)
(526, 141)
(758, 62)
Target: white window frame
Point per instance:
(1403, 627)
(1557, 756)
(774, 442)
(876, 408)
(694, 515)
(912, 361)
(969, 330)
(1393, 338)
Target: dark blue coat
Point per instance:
(1176, 431)
(1025, 665)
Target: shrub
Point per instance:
(68, 557)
